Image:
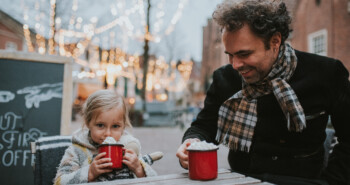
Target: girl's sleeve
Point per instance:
(70, 170)
(147, 168)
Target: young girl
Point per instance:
(105, 114)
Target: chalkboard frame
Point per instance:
(67, 101)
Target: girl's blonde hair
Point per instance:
(102, 101)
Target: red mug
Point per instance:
(203, 164)
(115, 152)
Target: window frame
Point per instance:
(312, 45)
(11, 46)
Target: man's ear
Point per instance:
(275, 40)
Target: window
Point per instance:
(317, 42)
(11, 46)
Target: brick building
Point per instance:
(320, 26)
(11, 34)
(213, 55)
(323, 27)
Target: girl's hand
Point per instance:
(130, 159)
(99, 166)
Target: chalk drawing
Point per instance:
(6, 96)
(44, 92)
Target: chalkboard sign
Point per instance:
(35, 101)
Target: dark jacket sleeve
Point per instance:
(338, 169)
(226, 82)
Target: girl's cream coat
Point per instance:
(74, 166)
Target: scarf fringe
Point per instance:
(232, 143)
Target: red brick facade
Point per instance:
(213, 55)
(330, 15)
(6, 36)
(11, 33)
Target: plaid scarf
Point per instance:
(238, 114)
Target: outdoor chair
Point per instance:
(48, 154)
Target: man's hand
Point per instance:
(182, 153)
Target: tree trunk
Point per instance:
(145, 58)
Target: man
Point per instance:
(271, 105)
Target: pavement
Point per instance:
(166, 140)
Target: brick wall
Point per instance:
(213, 55)
(331, 15)
(7, 35)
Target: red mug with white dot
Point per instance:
(115, 152)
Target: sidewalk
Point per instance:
(166, 140)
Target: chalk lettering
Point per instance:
(17, 153)
(32, 135)
(13, 143)
(10, 123)
(17, 158)
(23, 139)
(9, 137)
(19, 140)
(25, 157)
(14, 155)
(8, 154)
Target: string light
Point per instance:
(26, 30)
(52, 27)
(27, 37)
(114, 63)
(88, 29)
(40, 40)
(176, 17)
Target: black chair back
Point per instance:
(48, 155)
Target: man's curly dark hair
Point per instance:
(264, 17)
